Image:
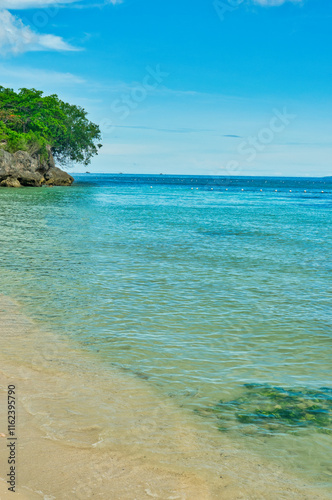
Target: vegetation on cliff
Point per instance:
(40, 125)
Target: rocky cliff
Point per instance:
(21, 169)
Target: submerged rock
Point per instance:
(21, 169)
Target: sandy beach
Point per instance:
(165, 234)
(73, 444)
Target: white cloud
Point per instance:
(32, 4)
(16, 38)
(28, 4)
(20, 76)
(272, 3)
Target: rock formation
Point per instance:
(21, 169)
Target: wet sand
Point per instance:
(84, 432)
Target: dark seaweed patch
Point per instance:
(276, 409)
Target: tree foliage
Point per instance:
(30, 121)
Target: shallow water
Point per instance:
(195, 291)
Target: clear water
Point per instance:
(197, 285)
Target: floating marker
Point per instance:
(261, 190)
(305, 191)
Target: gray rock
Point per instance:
(21, 169)
(10, 182)
(57, 177)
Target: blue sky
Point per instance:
(220, 87)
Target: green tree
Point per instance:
(39, 124)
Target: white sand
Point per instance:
(87, 434)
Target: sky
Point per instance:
(210, 87)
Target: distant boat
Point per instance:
(87, 172)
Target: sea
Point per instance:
(214, 292)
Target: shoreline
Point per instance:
(109, 433)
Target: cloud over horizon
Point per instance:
(17, 38)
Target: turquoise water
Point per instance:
(197, 285)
